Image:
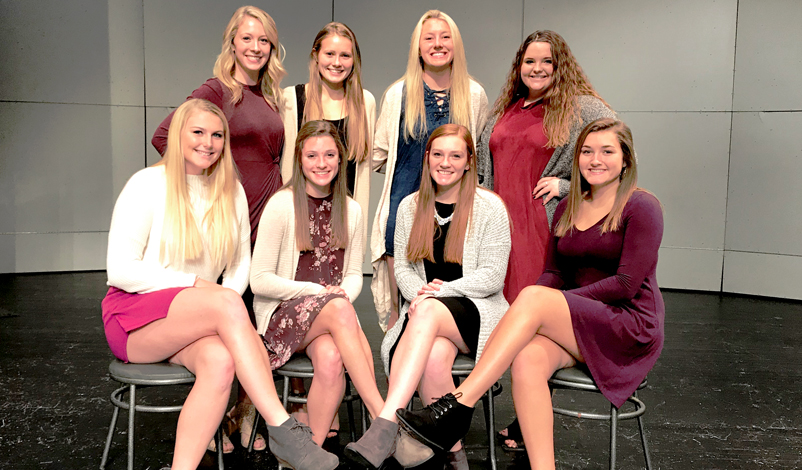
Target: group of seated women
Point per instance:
(215, 265)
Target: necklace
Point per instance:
(442, 220)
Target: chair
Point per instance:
(578, 378)
(300, 367)
(143, 376)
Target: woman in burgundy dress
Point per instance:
(525, 153)
(306, 270)
(246, 86)
(597, 301)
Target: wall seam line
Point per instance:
(729, 151)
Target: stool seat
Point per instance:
(298, 364)
(462, 363)
(160, 373)
(578, 377)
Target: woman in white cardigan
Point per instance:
(435, 90)
(453, 242)
(335, 93)
(306, 270)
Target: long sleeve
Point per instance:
(552, 274)
(129, 235)
(643, 231)
(408, 279)
(484, 158)
(237, 274)
(275, 254)
(353, 277)
(381, 139)
(210, 91)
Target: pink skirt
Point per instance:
(124, 312)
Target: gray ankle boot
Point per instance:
(373, 448)
(293, 447)
(409, 452)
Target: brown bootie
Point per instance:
(372, 449)
(292, 445)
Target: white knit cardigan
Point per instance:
(362, 179)
(275, 258)
(485, 255)
(385, 150)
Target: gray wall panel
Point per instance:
(769, 59)
(690, 268)
(765, 206)
(648, 56)
(36, 252)
(763, 274)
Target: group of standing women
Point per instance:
(215, 265)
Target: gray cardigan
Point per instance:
(484, 266)
(561, 161)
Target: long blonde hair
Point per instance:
(356, 131)
(628, 180)
(339, 188)
(460, 90)
(421, 236)
(182, 238)
(271, 74)
(568, 82)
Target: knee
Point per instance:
(532, 363)
(425, 313)
(229, 305)
(328, 364)
(343, 313)
(216, 364)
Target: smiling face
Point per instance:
(601, 159)
(251, 50)
(320, 162)
(335, 60)
(448, 160)
(436, 45)
(537, 69)
(202, 141)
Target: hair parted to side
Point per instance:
(460, 90)
(271, 74)
(356, 130)
(421, 237)
(580, 187)
(568, 82)
(339, 188)
(182, 238)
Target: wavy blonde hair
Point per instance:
(560, 101)
(356, 131)
(460, 90)
(271, 74)
(182, 238)
(580, 188)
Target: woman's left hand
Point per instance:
(431, 287)
(336, 290)
(548, 187)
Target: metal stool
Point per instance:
(145, 375)
(300, 367)
(578, 378)
(463, 366)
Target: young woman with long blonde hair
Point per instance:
(176, 227)
(435, 90)
(453, 241)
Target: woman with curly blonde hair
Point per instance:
(246, 86)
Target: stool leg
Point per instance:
(285, 398)
(113, 425)
(131, 413)
(613, 429)
(490, 423)
(642, 428)
(253, 431)
(218, 440)
(349, 405)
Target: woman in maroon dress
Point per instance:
(597, 302)
(246, 86)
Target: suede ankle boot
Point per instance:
(439, 425)
(373, 448)
(292, 445)
(409, 452)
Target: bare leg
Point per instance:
(537, 310)
(328, 386)
(531, 370)
(437, 379)
(213, 367)
(430, 320)
(213, 311)
(393, 293)
(338, 319)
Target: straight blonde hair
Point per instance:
(356, 130)
(424, 226)
(460, 90)
(271, 74)
(182, 238)
(339, 188)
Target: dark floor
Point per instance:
(725, 393)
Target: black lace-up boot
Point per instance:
(439, 425)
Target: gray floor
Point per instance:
(724, 395)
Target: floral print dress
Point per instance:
(322, 265)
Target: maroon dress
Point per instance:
(609, 282)
(518, 146)
(322, 265)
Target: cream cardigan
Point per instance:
(275, 258)
(362, 179)
(385, 149)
